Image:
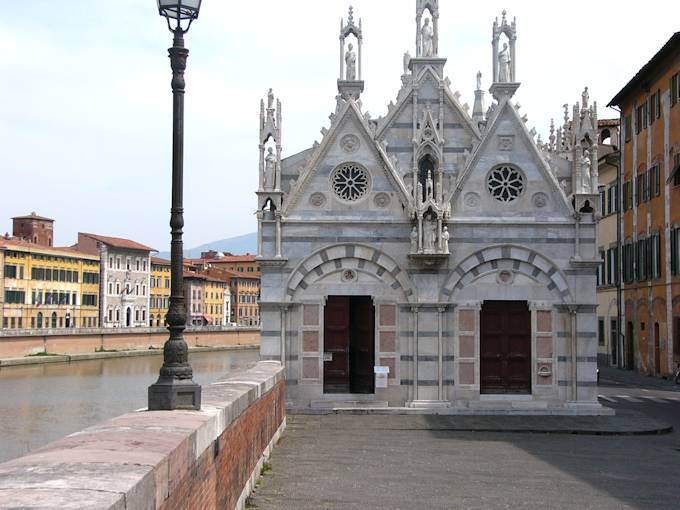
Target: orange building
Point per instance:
(238, 263)
(650, 221)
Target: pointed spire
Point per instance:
(478, 107)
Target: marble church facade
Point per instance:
(434, 257)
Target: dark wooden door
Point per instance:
(505, 347)
(362, 350)
(336, 345)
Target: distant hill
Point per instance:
(238, 245)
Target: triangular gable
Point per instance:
(503, 109)
(349, 111)
(406, 98)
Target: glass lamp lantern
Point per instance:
(177, 11)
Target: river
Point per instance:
(41, 403)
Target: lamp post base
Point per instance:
(171, 394)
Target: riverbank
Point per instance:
(74, 342)
(68, 358)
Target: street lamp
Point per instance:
(175, 388)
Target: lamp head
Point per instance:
(178, 11)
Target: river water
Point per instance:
(41, 403)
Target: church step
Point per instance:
(345, 404)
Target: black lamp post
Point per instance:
(175, 388)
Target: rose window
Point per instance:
(505, 183)
(350, 182)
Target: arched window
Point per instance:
(117, 287)
(117, 315)
(426, 167)
(54, 320)
(128, 318)
(40, 320)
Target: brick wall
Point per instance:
(206, 459)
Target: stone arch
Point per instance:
(331, 259)
(519, 259)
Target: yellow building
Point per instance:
(215, 300)
(159, 291)
(45, 287)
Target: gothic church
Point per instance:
(433, 258)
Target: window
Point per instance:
(655, 255)
(117, 262)
(137, 264)
(641, 249)
(350, 182)
(675, 251)
(603, 200)
(14, 297)
(675, 89)
(10, 271)
(628, 127)
(128, 264)
(638, 120)
(144, 265)
(110, 315)
(657, 106)
(676, 169)
(505, 183)
(89, 300)
(653, 182)
(111, 262)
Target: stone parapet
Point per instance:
(158, 459)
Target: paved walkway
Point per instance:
(413, 462)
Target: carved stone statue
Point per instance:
(585, 172)
(351, 63)
(407, 59)
(504, 64)
(429, 234)
(445, 240)
(270, 99)
(427, 39)
(584, 98)
(270, 170)
(429, 186)
(414, 240)
(419, 194)
(479, 80)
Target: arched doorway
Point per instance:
(128, 318)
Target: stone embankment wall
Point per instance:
(206, 459)
(91, 340)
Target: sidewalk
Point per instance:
(616, 376)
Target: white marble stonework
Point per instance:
(432, 213)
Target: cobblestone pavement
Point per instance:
(372, 461)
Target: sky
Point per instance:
(86, 117)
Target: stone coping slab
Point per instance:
(135, 460)
(625, 422)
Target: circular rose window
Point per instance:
(350, 182)
(505, 183)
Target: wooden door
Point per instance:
(362, 347)
(505, 347)
(336, 345)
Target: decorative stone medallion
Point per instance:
(505, 183)
(540, 200)
(381, 200)
(472, 200)
(349, 275)
(350, 182)
(350, 143)
(317, 199)
(505, 277)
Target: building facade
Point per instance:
(650, 226)
(445, 251)
(608, 282)
(33, 229)
(48, 288)
(159, 289)
(125, 273)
